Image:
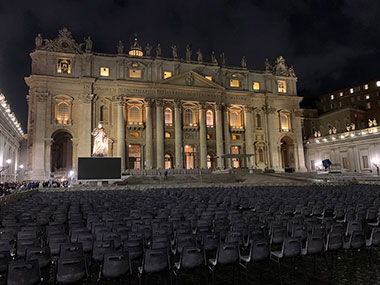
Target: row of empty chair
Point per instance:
(76, 236)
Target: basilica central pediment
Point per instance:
(192, 79)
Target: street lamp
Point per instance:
(8, 161)
(21, 166)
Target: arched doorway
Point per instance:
(168, 161)
(134, 156)
(61, 152)
(211, 163)
(189, 157)
(287, 153)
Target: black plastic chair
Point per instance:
(155, 261)
(100, 248)
(228, 253)
(23, 273)
(71, 270)
(191, 258)
(40, 254)
(116, 265)
(67, 250)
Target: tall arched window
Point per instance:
(235, 119)
(285, 122)
(188, 117)
(258, 121)
(103, 113)
(209, 119)
(168, 117)
(62, 113)
(134, 115)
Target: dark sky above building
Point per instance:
(331, 43)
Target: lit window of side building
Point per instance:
(158, 112)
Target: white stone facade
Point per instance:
(158, 112)
(11, 137)
(352, 151)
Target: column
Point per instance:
(160, 134)
(227, 136)
(38, 167)
(84, 146)
(149, 135)
(299, 150)
(202, 136)
(75, 155)
(178, 134)
(120, 130)
(272, 127)
(48, 142)
(219, 135)
(249, 135)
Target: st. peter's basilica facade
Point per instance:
(159, 113)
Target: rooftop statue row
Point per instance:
(65, 42)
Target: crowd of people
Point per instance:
(7, 188)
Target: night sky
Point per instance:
(332, 44)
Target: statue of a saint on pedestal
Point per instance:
(100, 141)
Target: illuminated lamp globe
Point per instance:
(136, 49)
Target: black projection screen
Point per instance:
(99, 168)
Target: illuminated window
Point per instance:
(368, 105)
(234, 137)
(167, 74)
(351, 90)
(104, 71)
(341, 94)
(64, 66)
(208, 136)
(235, 161)
(62, 113)
(282, 86)
(367, 96)
(209, 161)
(135, 73)
(366, 87)
(235, 119)
(134, 115)
(134, 134)
(168, 161)
(332, 97)
(378, 83)
(285, 122)
(256, 85)
(168, 117)
(167, 135)
(188, 117)
(208, 77)
(234, 83)
(209, 119)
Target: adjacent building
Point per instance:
(345, 131)
(159, 112)
(11, 138)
